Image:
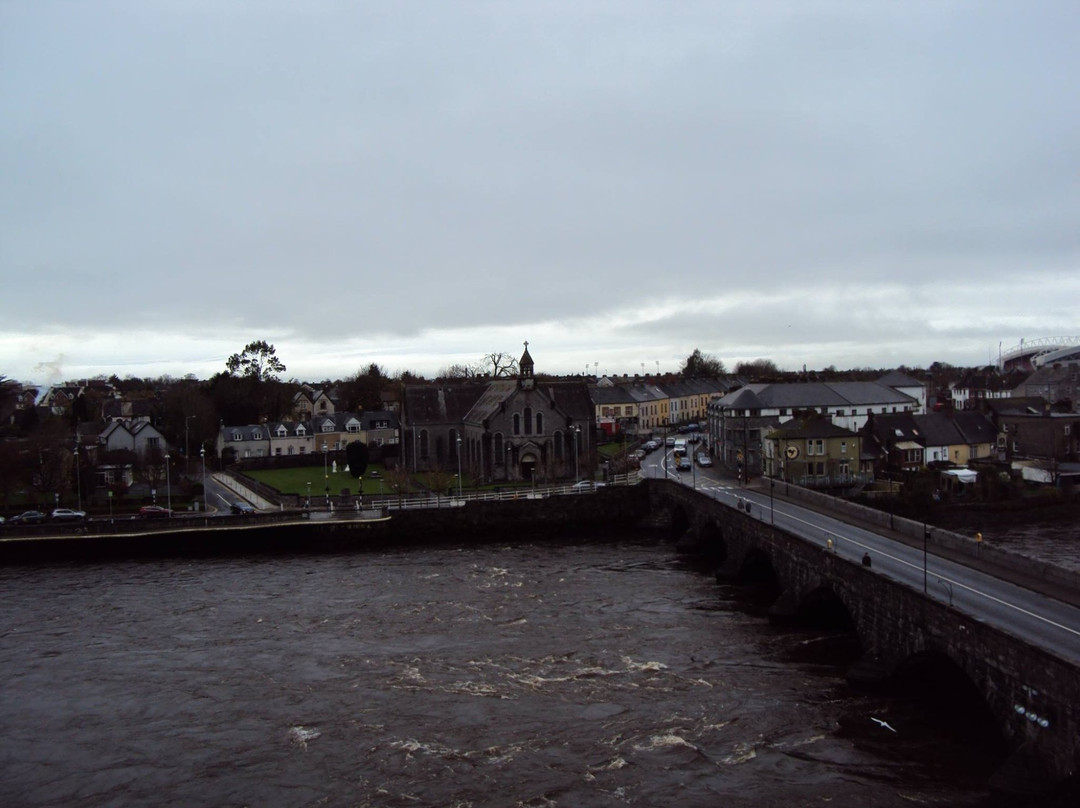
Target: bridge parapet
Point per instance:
(1029, 691)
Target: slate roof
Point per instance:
(937, 429)
(975, 427)
(811, 427)
(813, 394)
(897, 378)
(435, 403)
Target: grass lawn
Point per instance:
(295, 480)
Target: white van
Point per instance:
(680, 447)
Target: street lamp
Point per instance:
(309, 494)
(772, 508)
(202, 457)
(168, 488)
(577, 464)
(187, 420)
(326, 474)
(508, 462)
(459, 466)
(78, 476)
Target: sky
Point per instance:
(417, 184)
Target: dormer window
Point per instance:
(300, 430)
(282, 431)
(237, 435)
(255, 434)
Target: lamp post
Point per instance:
(508, 462)
(772, 508)
(202, 457)
(459, 466)
(309, 494)
(168, 488)
(187, 420)
(577, 463)
(78, 476)
(925, 541)
(326, 474)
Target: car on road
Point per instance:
(683, 464)
(28, 518)
(586, 485)
(154, 512)
(242, 508)
(67, 515)
(650, 445)
(703, 459)
(669, 441)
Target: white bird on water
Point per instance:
(882, 723)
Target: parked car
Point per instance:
(703, 459)
(242, 508)
(154, 512)
(28, 518)
(67, 515)
(669, 441)
(587, 485)
(650, 446)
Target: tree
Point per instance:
(757, 369)
(499, 364)
(257, 361)
(356, 455)
(364, 390)
(699, 365)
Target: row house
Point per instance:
(910, 442)
(984, 384)
(1058, 383)
(738, 420)
(639, 407)
(297, 438)
(689, 399)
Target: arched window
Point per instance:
(539, 423)
(517, 423)
(423, 443)
(558, 443)
(528, 421)
(499, 447)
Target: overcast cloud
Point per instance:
(419, 183)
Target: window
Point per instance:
(292, 450)
(237, 436)
(841, 412)
(528, 420)
(517, 423)
(155, 443)
(328, 427)
(303, 450)
(301, 431)
(423, 443)
(281, 431)
(277, 451)
(353, 427)
(539, 423)
(843, 447)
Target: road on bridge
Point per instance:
(1034, 617)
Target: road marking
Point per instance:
(918, 567)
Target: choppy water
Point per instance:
(557, 675)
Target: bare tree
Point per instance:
(499, 364)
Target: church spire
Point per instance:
(525, 364)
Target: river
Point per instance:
(565, 674)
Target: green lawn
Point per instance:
(295, 480)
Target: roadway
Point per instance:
(1035, 617)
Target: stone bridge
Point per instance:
(1030, 693)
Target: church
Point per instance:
(509, 430)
